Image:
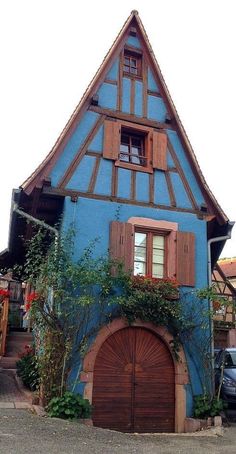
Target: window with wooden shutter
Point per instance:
(111, 146)
(121, 243)
(159, 158)
(185, 255)
(134, 146)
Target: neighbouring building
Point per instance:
(224, 310)
(228, 266)
(125, 150)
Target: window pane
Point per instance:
(158, 256)
(157, 270)
(127, 69)
(140, 239)
(133, 71)
(139, 268)
(135, 151)
(124, 157)
(140, 254)
(124, 148)
(127, 61)
(158, 241)
(136, 142)
(125, 139)
(135, 160)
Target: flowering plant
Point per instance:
(167, 287)
(28, 350)
(30, 298)
(154, 300)
(3, 294)
(33, 296)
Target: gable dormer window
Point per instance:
(132, 148)
(132, 65)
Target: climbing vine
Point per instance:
(71, 300)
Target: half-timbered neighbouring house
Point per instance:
(224, 309)
(125, 150)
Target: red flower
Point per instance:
(32, 297)
(27, 306)
(4, 292)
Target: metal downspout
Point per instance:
(209, 243)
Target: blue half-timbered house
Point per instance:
(124, 149)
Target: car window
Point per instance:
(230, 359)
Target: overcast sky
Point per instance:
(50, 50)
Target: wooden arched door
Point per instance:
(134, 383)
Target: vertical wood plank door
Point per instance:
(134, 383)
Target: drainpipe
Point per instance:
(209, 243)
(35, 220)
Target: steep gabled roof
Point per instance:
(43, 170)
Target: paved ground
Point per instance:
(11, 393)
(22, 432)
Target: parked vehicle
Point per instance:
(225, 370)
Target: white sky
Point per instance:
(50, 50)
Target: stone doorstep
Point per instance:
(194, 424)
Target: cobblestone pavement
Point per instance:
(11, 393)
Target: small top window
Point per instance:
(132, 64)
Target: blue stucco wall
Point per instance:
(161, 194)
(156, 109)
(81, 214)
(138, 101)
(84, 127)
(174, 139)
(82, 174)
(107, 96)
(126, 95)
(113, 72)
(152, 85)
(97, 143)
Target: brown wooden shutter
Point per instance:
(111, 144)
(159, 157)
(185, 267)
(121, 243)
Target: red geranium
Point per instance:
(32, 297)
(27, 306)
(3, 294)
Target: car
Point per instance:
(225, 372)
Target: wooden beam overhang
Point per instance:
(47, 208)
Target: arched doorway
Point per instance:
(134, 383)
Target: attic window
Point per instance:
(132, 148)
(132, 64)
